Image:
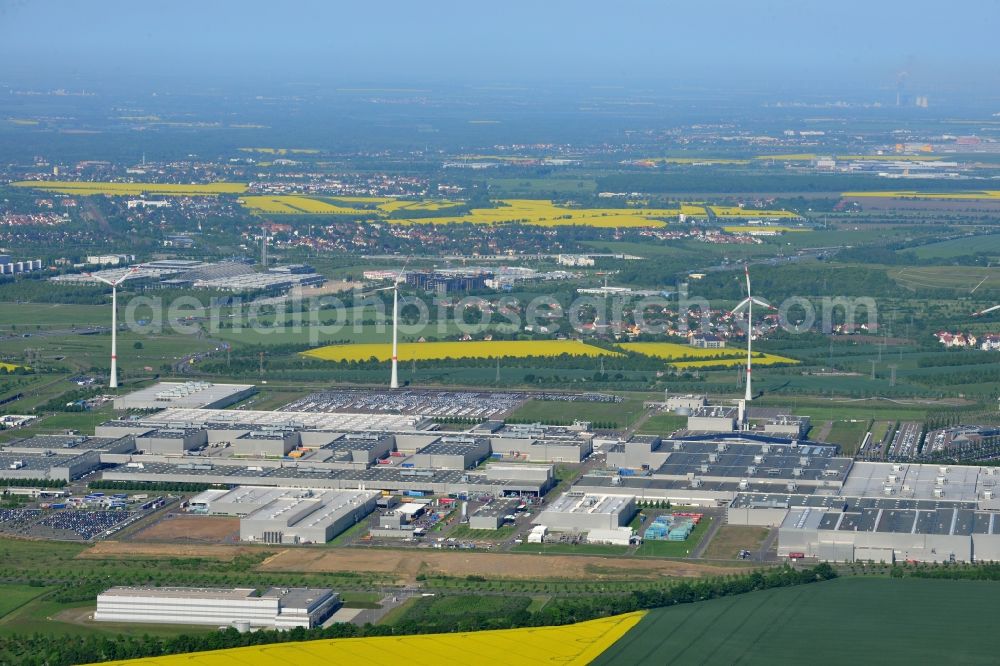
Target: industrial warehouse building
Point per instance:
(493, 515)
(275, 608)
(887, 512)
(580, 512)
(288, 515)
(187, 394)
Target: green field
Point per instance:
(557, 411)
(854, 620)
(848, 434)
(960, 278)
(663, 424)
(570, 549)
(959, 247)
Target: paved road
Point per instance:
(717, 523)
(764, 554)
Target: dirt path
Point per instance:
(407, 564)
(112, 549)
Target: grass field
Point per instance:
(427, 351)
(15, 596)
(566, 412)
(848, 434)
(854, 620)
(737, 229)
(960, 278)
(729, 540)
(663, 424)
(83, 187)
(912, 194)
(570, 549)
(957, 247)
(571, 644)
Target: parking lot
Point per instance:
(906, 441)
(433, 403)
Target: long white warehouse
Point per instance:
(244, 608)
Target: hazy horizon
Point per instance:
(811, 47)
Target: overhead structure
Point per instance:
(986, 311)
(748, 303)
(114, 320)
(394, 377)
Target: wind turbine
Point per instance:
(748, 304)
(114, 320)
(394, 378)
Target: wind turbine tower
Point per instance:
(114, 321)
(394, 379)
(748, 303)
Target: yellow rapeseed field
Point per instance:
(693, 209)
(759, 358)
(700, 358)
(10, 367)
(544, 213)
(567, 645)
(295, 205)
(84, 188)
(433, 351)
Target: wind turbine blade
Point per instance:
(765, 304)
(745, 302)
(986, 311)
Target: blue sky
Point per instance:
(695, 42)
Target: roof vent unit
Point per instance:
(897, 468)
(888, 489)
(751, 470)
(765, 448)
(758, 459)
(713, 457)
(939, 492)
(893, 478)
(988, 494)
(791, 487)
(943, 469)
(696, 483)
(744, 484)
(803, 460)
(941, 480)
(704, 469)
(797, 471)
(678, 446)
(721, 447)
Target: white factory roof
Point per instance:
(336, 421)
(911, 481)
(588, 504)
(182, 394)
